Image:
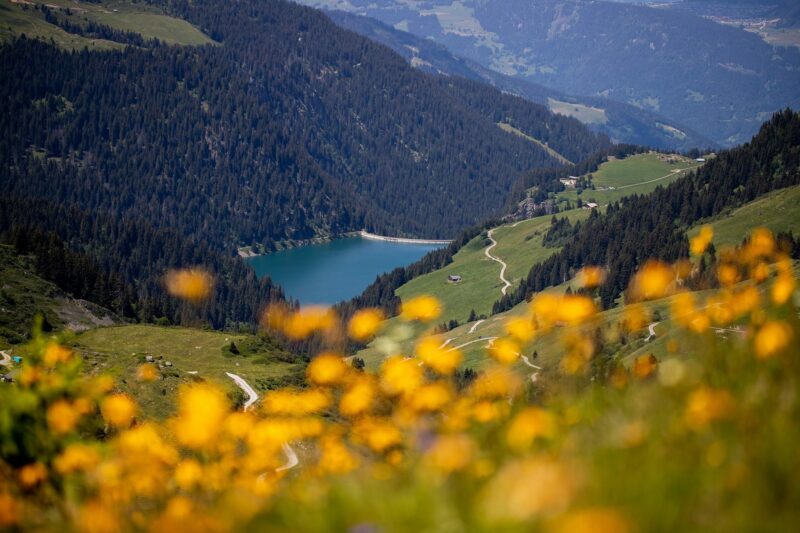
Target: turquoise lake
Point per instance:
(338, 270)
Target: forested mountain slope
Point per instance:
(292, 128)
(654, 226)
(719, 80)
(622, 122)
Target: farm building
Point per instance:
(569, 182)
(453, 278)
(590, 205)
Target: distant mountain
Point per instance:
(718, 80)
(622, 122)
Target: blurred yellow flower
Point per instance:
(32, 474)
(295, 403)
(378, 434)
(118, 410)
(55, 353)
(592, 520)
(336, 457)
(442, 360)
(528, 425)
(783, 288)
(191, 284)
(424, 308)
(188, 473)
(75, 458)
(728, 274)
(772, 338)
(760, 244)
(520, 328)
(62, 417)
(698, 244)
(654, 280)
(545, 307)
(495, 382)
(147, 372)
(201, 411)
(400, 376)
(590, 277)
(358, 397)
(575, 309)
(365, 323)
(327, 369)
(95, 517)
(307, 320)
(644, 366)
(635, 317)
(9, 510)
(706, 405)
(526, 488)
(431, 397)
(451, 453)
(504, 350)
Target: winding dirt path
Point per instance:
(506, 283)
(252, 397)
(6, 361)
(652, 331)
(475, 325)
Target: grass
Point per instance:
(519, 246)
(24, 295)
(636, 174)
(777, 211)
(120, 350)
(16, 19)
(584, 113)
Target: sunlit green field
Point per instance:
(195, 354)
(19, 18)
(636, 174)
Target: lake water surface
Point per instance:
(337, 270)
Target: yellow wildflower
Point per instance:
(55, 353)
(441, 360)
(327, 369)
(378, 434)
(201, 411)
(94, 517)
(32, 474)
(590, 277)
(698, 244)
(707, 405)
(545, 307)
(400, 376)
(593, 520)
(291, 402)
(504, 350)
(188, 473)
(644, 366)
(451, 453)
(728, 274)
(75, 458)
(526, 488)
(358, 398)
(495, 382)
(424, 308)
(575, 309)
(520, 328)
(189, 284)
(528, 425)
(307, 320)
(9, 510)
(431, 397)
(365, 323)
(147, 372)
(772, 338)
(118, 410)
(635, 317)
(336, 457)
(783, 288)
(653, 280)
(62, 417)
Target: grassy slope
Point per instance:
(23, 295)
(120, 350)
(778, 211)
(145, 20)
(636, 174)
(519, 246)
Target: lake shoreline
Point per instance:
(246, 252)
